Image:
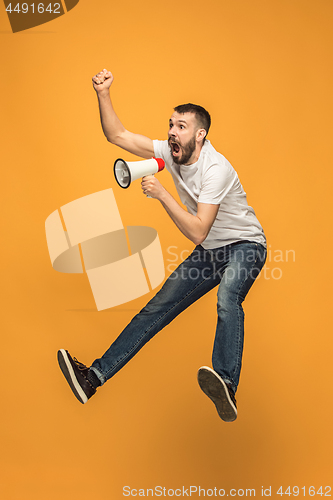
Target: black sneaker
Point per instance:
(219, 392)
(76, 375)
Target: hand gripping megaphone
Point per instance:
(126, 172)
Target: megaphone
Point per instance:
(126, 172)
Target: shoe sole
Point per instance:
(67, 370)
(215, 388)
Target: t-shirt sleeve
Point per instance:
(216, 183)
(158, 147)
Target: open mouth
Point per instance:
(175, 148)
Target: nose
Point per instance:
(172, 133)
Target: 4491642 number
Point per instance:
(311, 491)
(34, 8)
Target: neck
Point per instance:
(195, 156)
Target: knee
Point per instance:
(229, 307)
(226, 300)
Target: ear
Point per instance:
(201, 134)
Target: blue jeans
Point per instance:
(233, 268)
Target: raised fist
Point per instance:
(102, 81)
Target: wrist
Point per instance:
(164, 196)
(103, 94)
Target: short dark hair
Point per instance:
(202, 116)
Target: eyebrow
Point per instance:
(179, 121)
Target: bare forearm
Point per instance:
(111, 125)
(190, 225)
(194, 227)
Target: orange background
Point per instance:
(263, 68)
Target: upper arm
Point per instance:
(137, 144)
(207, 213)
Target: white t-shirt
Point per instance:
(213, 180)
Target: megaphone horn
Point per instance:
(126, 172)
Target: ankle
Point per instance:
(93, 379)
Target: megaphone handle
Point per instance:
(147, 195)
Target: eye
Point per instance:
(181, 126)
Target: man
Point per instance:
(230, 251)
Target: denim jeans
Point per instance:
(233, 268)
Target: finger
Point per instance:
(97, 80)
(99, 77)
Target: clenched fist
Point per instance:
(152, 187)
(102, 81)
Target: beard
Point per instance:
(187, 151)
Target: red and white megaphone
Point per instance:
(126, 172)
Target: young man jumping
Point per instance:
(230, 251)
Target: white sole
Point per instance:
(67, 370)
